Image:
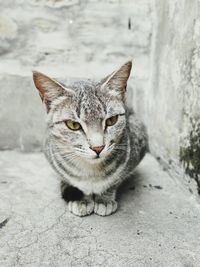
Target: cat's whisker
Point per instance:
(65, 155)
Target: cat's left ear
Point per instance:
(116, 82)
(49, 89)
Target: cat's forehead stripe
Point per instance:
(89, 104)
(91, 108)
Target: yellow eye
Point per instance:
(112, 120)
(73, 125)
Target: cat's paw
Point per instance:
(81, 208)
(105, 208)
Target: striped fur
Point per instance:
(90, 103)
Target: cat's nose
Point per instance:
(98, 149)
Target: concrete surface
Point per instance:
(157, 223)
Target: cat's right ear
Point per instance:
(49, 89)
(116, 83)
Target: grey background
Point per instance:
(70, 39)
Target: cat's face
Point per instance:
(89, 121)
(86, 118)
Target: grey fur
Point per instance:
(69, 153)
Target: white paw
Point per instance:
(81, 208)
(105, 208)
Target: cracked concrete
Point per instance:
(157, 223)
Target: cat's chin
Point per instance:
(99, 158)
(95, 160)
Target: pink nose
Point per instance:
(98, 149)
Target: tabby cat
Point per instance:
(92, 140)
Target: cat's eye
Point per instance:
(73, 125)
(112, 120)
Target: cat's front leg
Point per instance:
(82, 207)
(78, 203)
(105, 204)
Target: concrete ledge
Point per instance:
(157, 223)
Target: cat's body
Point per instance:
(100, 146)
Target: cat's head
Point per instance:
(87, 118)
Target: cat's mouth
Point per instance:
(94, 156)
(99, 157)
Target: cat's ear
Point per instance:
(116, 82)
(49, 89)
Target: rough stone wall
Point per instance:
(172, 102)
(67, 39)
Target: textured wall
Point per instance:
(172, 102)
(64, 38)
